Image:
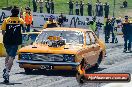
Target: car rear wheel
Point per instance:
(28, 71)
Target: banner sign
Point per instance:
(71, 20)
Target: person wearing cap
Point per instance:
(12, 38)
(127, 34)
(28, 18)
(50, 23)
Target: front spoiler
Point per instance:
(73, 64)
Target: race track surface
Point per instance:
(115, 61)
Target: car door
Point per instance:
(95, 46)
(90, 54)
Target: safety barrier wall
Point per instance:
(2, 49)
(71, 20)
(41, 18)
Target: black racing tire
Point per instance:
(100, 58)
(85, 65)
(95, 67)
(80, 78)
(28, 71)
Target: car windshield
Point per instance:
(71, 37)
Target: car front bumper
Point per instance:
(73, 65)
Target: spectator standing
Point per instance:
(71, 4)
(93, 25)
(97, 9)
(61, 20)
(12, 38)
(52, 7)
(28, 18)
(34, 5)
(98, 28)
(81, 8)
(112, 29)
(125, 4)
(101, 10)
(106, 10)
(41, 5)
(127, 34)
(77, 8)
(107, 28)
(89, 9)
(47, 6)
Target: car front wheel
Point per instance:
(98, 62)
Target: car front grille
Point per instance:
(48, 57)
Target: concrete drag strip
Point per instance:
(129, 84)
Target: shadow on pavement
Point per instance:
(91, 70)
(64, 73)
(10, 83)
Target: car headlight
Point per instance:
(25, 56)
(69, 58)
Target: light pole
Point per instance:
(114, 9)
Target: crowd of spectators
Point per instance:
(74, 6)
(77, 7)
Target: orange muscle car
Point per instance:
(62, 49)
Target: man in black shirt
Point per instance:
(34, 6)
(101, 9)
(108, 27)
(127, 34)
(89, 9)
(106, 10)
(97, 9)
(81, 8)
(12, 38)
(52, 7)
(70, 7)
(47, 6)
